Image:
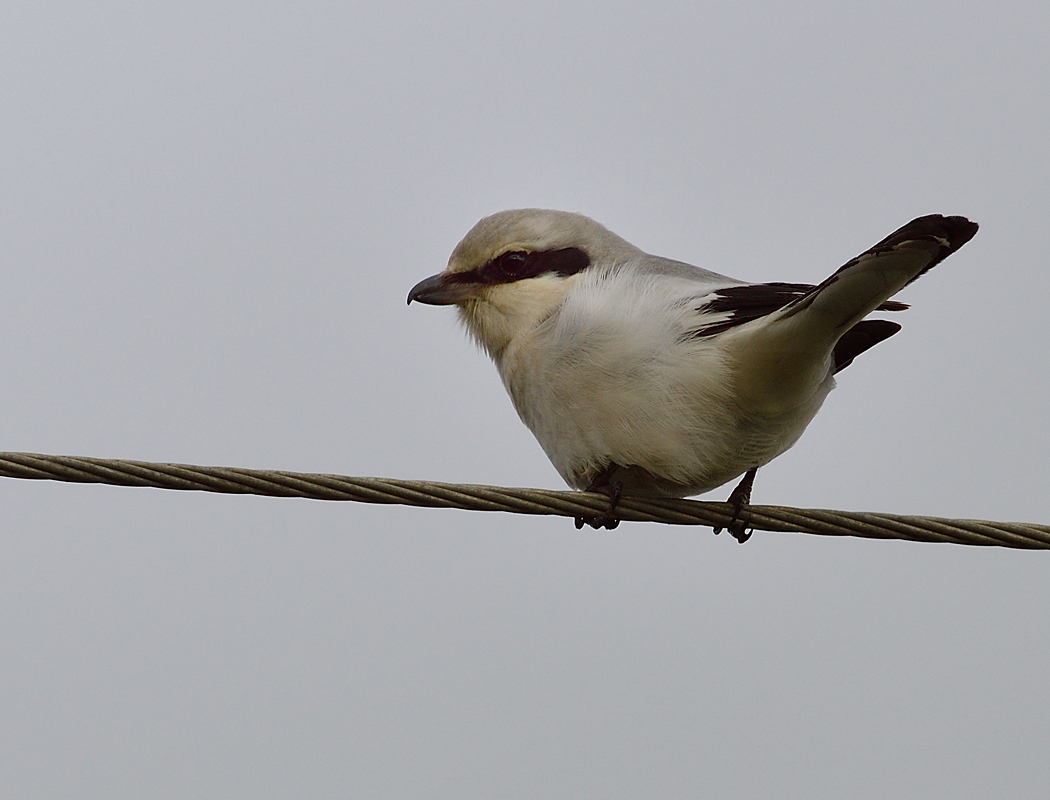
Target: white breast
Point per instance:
(609, 378)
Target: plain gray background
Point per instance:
(210, 216)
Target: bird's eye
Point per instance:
(514, 264)
(508, 267)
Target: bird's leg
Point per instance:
(604, 484)
(739, 499)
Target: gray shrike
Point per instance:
(646, 376)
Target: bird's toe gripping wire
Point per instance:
(739, 499)
(608, 520)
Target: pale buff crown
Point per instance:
(535, 229)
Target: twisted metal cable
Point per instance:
(233, 480)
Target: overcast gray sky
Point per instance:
(210, 216)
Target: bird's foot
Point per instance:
(608, 520)
(739, 499)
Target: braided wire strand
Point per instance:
(430, 494)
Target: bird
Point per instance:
(644, 376)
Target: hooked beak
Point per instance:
(441, 290)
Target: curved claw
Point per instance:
(739, 499)
(608, 520)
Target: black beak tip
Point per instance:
(434, 291)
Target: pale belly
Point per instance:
(673, 431)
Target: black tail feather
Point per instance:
(862, 336)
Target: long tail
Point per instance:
(787, 356)
(862, 284)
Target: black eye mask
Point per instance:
(518, 265)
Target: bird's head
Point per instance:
(514, 269)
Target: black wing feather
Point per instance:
(756, 300)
